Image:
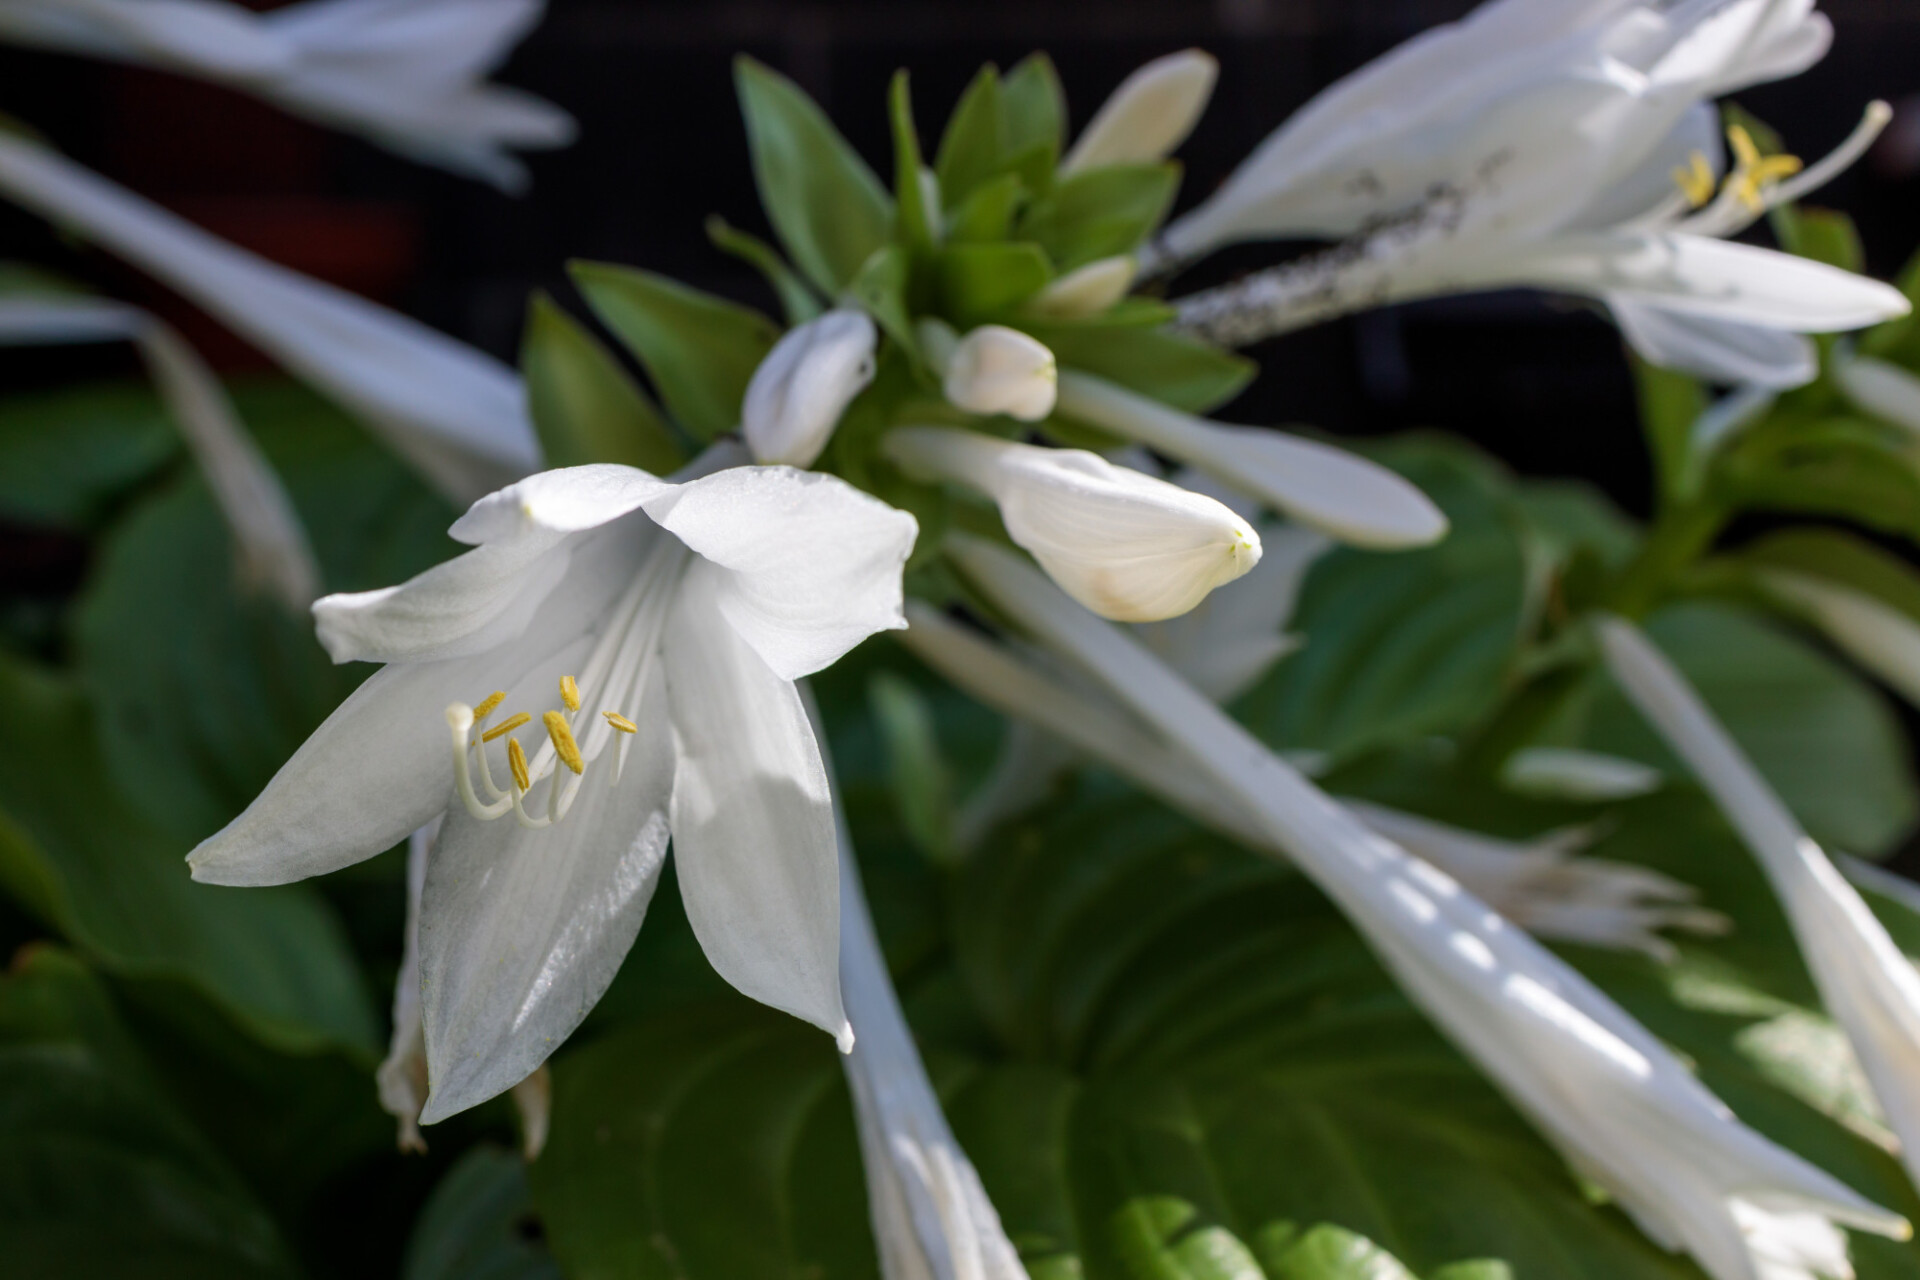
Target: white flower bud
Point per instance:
(1125, 545)
(1568, 773)
(1085, 291)
(803, 386)
(1150, 114)
(1876, 635)
(995, 369)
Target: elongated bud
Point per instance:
(1123, 544)
(1876, 635)
(1329, 489)
(1588, 777)
(994, 369)
(1885, 390)
(1085, 291)
(803, 386)
(1150, 114)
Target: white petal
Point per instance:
(377, 769)
(753, 833)
(1885, 390)
(565, 500)
(208, 37)
(1149, 115)
(1716, 350)
(804, 384)
(1341, 495)
(457, 413)
(402, 1076)
(814, 563)
(521, 931)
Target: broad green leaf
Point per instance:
(1183, 372)
(1849, 468)
(980, 282)
(921, 781)
(474, 1226)
(1404, 645)
(986, 216)
(1825, 235)
(584, 406)
(1826, 739)
(1033, 107)
(66, 456)
(797, 300)
(1100, 212)
(828, 209)
(880, 288)
(699, 350)
(970, 147)
(1670, 403)
(1841, 558)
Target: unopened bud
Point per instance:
(1085, 291)
(995, 369)
(1150, 114)
(803, 386)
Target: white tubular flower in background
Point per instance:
(1344, 496)
(1623, 1111)
(798, 393)
(456, 413)
(272, 547)
(673, 619)
(406, 74)
(1149, 115)
(1864, 979)
(1537, 885)
(1880, 388)
(1568, 773)
(1877, 636)
(1085, 291)
(1126, 545)
(992, 370)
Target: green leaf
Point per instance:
(979, 282)
(881, 291)
(1826, 739)
(970, 148)
(1850, 468)
(472, 1228)
(585, 407)
(921, 782)
(1824, 235)
(917, 221)
(699, 350)
(1100, 212)
(986, 216)
(1841, 558)
(797, 299)
(1183, 372)
(1033, 107)
(1670, 403)
(826, 206)
(66, 456)
(1404, 645)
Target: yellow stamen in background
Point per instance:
(517, 761)
(563, 743)
(485, 709)
(620, 722)
(1746, 153)
(570, 694)
(506, 726)
(1695, 179)
(1753, 172)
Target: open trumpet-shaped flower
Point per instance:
(407, 74)
(1605, 1091)
(672, 619)
(1126, 545)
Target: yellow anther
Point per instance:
(517, 761)
(563, 743)
(1774, 168)
(620, 722)
(1695, 179)
(1746, 153)
(570, 693)
(506, 726)
(1753, 172)
(486, 708)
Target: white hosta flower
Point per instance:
(406, 74)
(272, 546)
(1618, 1105)
(1569, 773)
(1149, 115)
(672, 618)
(804, 384)
(992, 370)
(1864, 979)
(1343, 496)
(1126, 545)
(456, 413)
(1876, 635)
(1538, 885)
(1085, 291)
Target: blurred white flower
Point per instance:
(1569, 773)
(1149, 115)
(1879, 637)
(1085, 291)
(1624, 1112)
(1880, 388)
(1336, 492)
(1864, 980)
(1126, 545)
(406, 74)
(993, 369)
(687, 611)
(456, 413)
(804, 384)
(272, 547)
